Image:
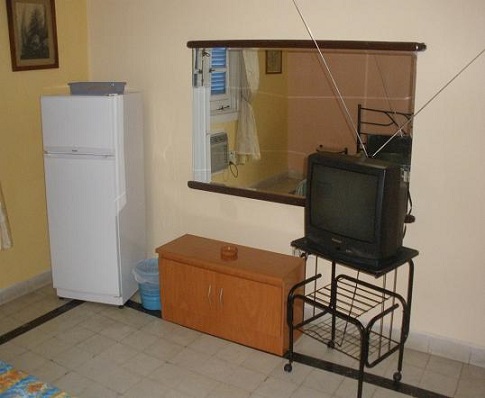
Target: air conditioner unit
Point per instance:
(219, 152)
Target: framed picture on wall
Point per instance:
(273, 61)
(33, 36)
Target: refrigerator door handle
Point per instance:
(76, 150)
(74, 153)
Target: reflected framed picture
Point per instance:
(33, 36)
(273, 61)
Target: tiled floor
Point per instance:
(103, 351)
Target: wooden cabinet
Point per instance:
(242, 300)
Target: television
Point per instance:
(355, 207)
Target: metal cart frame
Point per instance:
(352, 315)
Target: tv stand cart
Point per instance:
(352, 315)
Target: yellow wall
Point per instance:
(270, 110)
(21, 162)
(144, 42)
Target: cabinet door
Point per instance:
(237, 309)
(251, 312)
(188, 295)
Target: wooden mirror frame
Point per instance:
(282, 44)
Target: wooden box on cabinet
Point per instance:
(242, 300)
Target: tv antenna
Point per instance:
(330, 74)
(346, 109)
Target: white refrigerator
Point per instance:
(94, 175)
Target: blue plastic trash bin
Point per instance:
(146, 274)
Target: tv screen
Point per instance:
(355, 206)
(344, 202)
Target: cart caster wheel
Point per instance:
(397, 376)
(121, 306)
(288, 368)
(331, 344)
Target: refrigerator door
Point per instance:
(79, 124)
(82, 220)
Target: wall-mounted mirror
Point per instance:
(260, 108)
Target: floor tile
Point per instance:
(245, 379)
(169, 375)
(10, 350)
(163, 349)
(234, 353)
(197, 385)
(73, 358)
(127, 316)
(297, 375)
(262, 362)
(323, 381)
(96, 344)
(117, 331)
(470, 388)
(95, 390)
(32, 339)
(224, 391)
(52, 347)
(191, 359)
(307, 392)
(99, 350)
(385, 393)
(28, 361)
(146, 389)
(444, 366)
(7, 323)
(142, 364)
(208, 344)
(51, 371)
(439, 383)
(217, 369)
(118, 354)
(139, 340)
(108, 374)
(75, 335)
(348, 388)
(97, 323)
(276, 388)
(74, 383)
(182, 336)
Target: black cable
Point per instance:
(232, 167)
(409, 219)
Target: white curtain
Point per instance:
(5, 239)
(247, 143)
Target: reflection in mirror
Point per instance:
(259, 113)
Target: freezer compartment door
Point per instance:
(83, 224)
(84, 124)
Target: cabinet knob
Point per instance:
(209, 290)
(221, 292)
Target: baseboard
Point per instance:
(447, 348)
(19, 289)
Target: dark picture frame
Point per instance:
(273, 61)
(33, 35)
